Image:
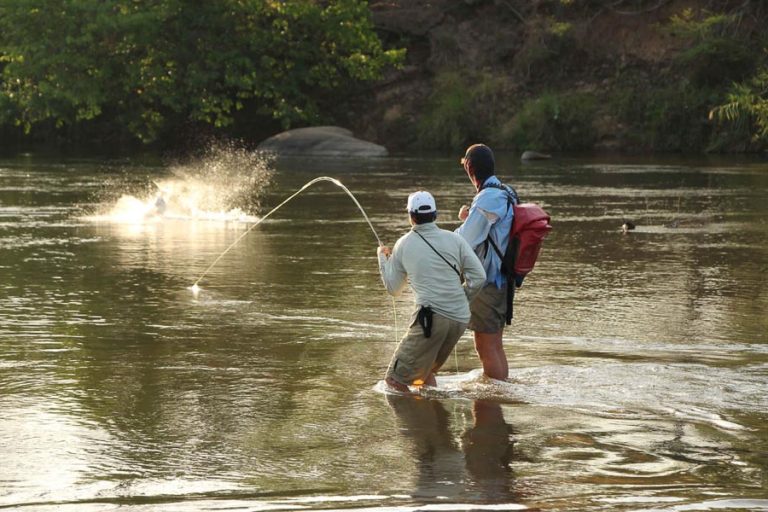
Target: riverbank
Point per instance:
(629, 76)
(555, 76)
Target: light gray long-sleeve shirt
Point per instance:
(433, 281)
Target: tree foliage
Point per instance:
(744, 115)
(153, 65)
(725, 50)
(715, 49)
(450, 117)
(555, 121)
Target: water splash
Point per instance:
(224, 184)
(196, 288)
(225, 176)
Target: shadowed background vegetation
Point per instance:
(150, 71)
(551, 75)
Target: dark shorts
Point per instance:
(416, 356)
(489, 309)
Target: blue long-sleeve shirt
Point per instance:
(490, 216)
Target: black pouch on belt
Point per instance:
(424, 317)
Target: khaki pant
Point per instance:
(416, 356)
(489, 309)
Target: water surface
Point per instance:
(639, 362)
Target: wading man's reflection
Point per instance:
(477, 467)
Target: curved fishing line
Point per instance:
(195, 288)
(273, 210)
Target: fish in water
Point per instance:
(160, 205)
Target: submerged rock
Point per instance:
(331, 141)
(534, 155)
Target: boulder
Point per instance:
(411, 17)
(534, 155)
(329, 141)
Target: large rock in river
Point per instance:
(331, 141)
(534, 155)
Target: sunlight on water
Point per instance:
(225, 184)
(639, 361)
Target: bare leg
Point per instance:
(430, 380)
(491, 353)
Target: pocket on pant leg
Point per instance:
(402, 372)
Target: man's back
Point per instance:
(432, 259)
(434, 282)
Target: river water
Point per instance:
(639, 361)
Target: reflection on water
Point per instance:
(639, 361)
(476, 468)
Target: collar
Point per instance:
(424, 227)
(490, 180)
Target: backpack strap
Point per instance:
(509, 274)
(511, 196)
(506, 188)
(453, 267)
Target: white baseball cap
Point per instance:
(421, 202)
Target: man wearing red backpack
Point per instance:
(487, 222)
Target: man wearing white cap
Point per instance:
(444, 273)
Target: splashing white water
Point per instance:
(223, 185)
(147, 209)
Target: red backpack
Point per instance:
(530, 226)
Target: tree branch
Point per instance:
(514, 11)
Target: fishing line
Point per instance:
(196, 289)
(456, 357)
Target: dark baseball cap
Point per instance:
(481, 158)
